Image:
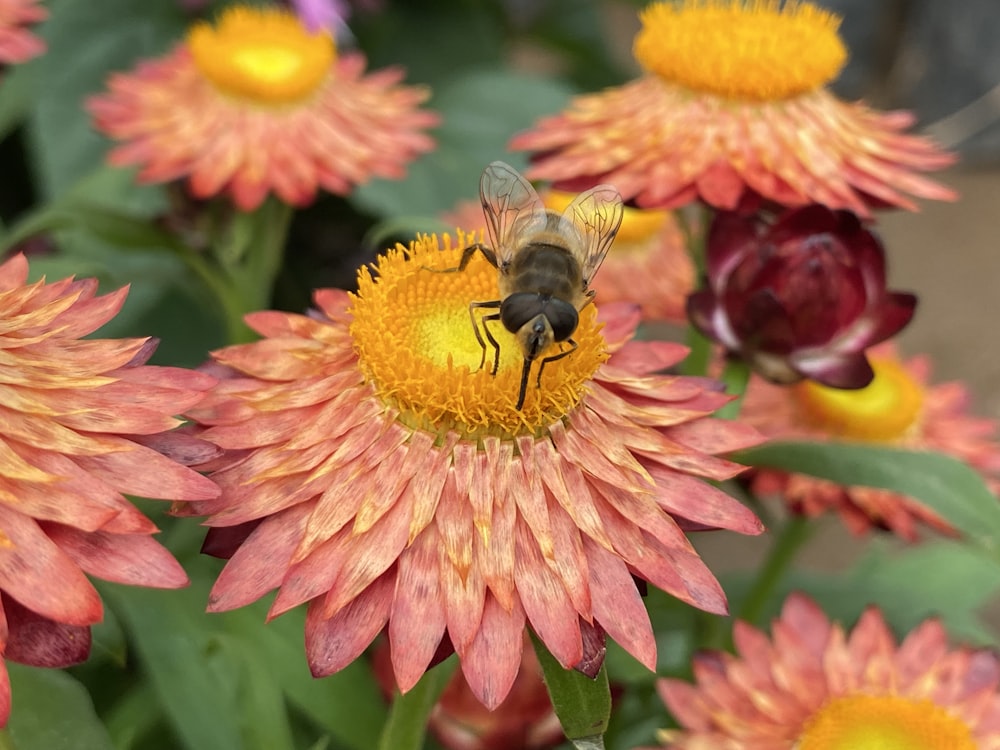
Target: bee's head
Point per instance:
(538, 320)
(535, 336)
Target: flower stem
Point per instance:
(795, 532)
(736, 375)
(408, 716)
(6, 741)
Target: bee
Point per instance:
(545, 261)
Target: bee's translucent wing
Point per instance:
(596, 215)
(511, 206)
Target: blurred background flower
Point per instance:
(84, 421)
(802, 295)
(380, 475)
(733, 109)
(256, 104)
(901, 407)
(17, 42)
(813, 684)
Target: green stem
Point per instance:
(793, 535)
(408, 716)
(736, 375)
(6, 741)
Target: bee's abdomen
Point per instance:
(546, 269)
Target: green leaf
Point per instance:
(408, 717)
(481, 111)
(52, 711)
(16, 90)
(953, 489)
(347, 705)
(944, 579)
(86, 42)
(582, 704)
(174, 640)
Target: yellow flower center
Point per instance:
(416, 344)
(884, 722)
(262, 55)
(638, 224)
(757, 50)
(884, 411)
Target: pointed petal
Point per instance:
(492, 659)
(334, 642)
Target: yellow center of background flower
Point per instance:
(756, 50)
(881, 412)
(884, 722)
(638, 224)
(417, 346)
(262, 55)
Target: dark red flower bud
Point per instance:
(800, 297)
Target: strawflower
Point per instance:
(802, 295)
(647, 265)
(83, 421)
(377, 473)
(257, 105)
(900, 408)
(17, 43)
(733, 109)
(814, 686)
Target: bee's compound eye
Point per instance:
(563, 318)
(519, 309)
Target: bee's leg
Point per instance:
(572, 348)
(467, 254)
(473, 306)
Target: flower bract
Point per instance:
(813, 685)
(378, 473)
(733, 110)
(258, 105)
(82, 422)
(900, 408)
(802, 296)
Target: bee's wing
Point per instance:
(596, 214)
(511, 207)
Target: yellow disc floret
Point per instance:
(883, 411)
(756, 50)
(417, 345)
(884, 722)
(262, 55)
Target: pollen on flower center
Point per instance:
(416, 344)
(883, 411)
(264, 55)
(757, 50)
(884, 722)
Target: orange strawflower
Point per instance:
(814, 686)
(257, 105)
(899, 408)
(733, 108)
(17, 44)
(379, 474)
(647, 265)
(83, 422)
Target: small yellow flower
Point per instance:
(257, 104)
(898, 408)
(379, 474)
(732, 110)
(813, 686)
